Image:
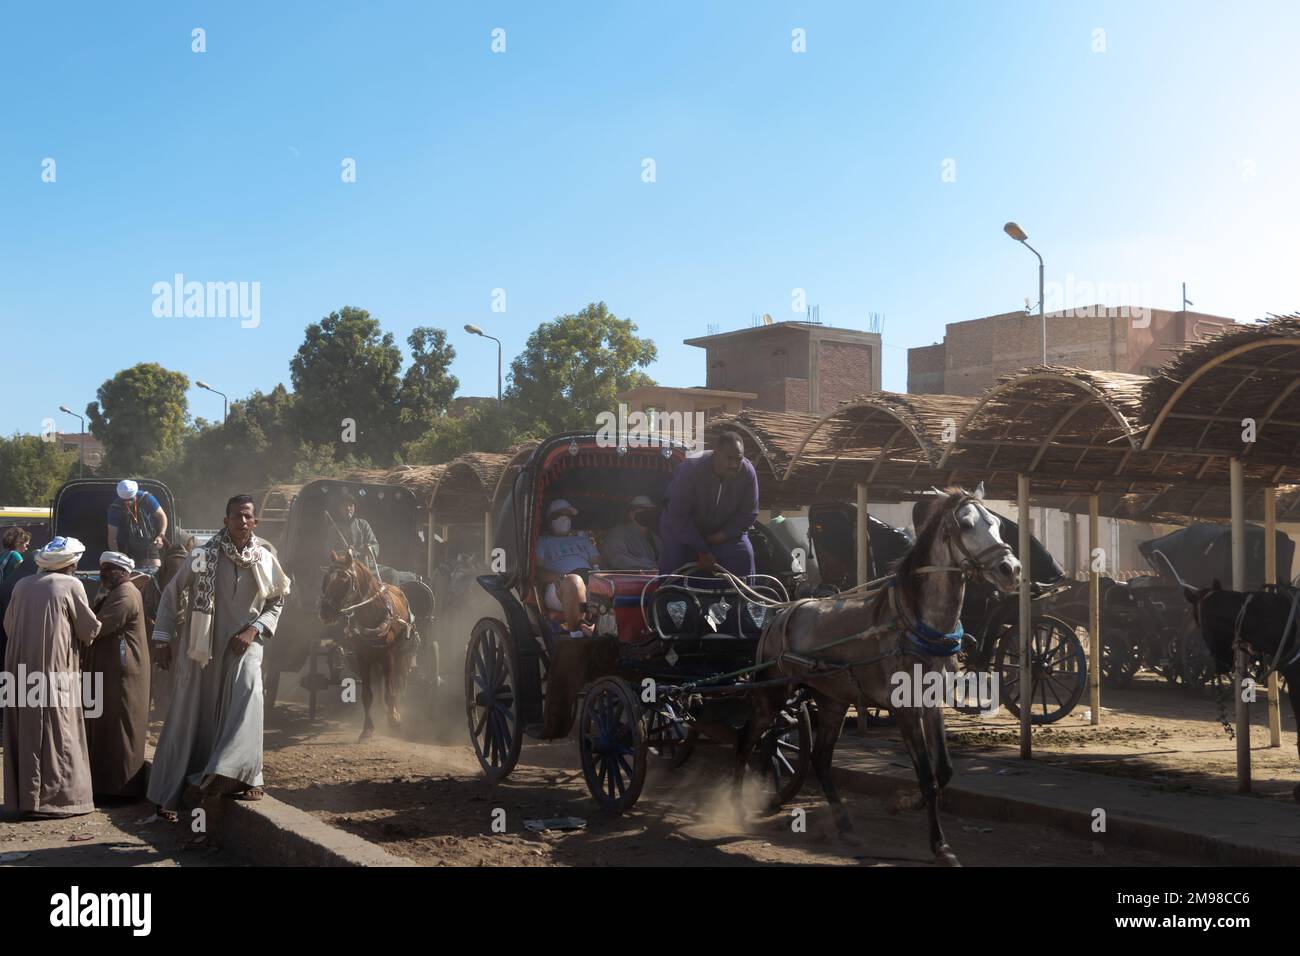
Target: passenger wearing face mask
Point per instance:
(563, 558)
(634, 545)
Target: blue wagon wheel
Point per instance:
(669, 735)
(612, 744)
(491, 701)
(786, 751)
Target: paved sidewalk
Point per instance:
(1215, 829)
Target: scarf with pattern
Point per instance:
(272, 583)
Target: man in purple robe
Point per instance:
(712, 501)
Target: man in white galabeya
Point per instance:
(213, 735)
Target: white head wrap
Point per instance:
(126, 489)
(59, 553)
(118, 559)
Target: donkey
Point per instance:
(378, 627)
(1262, 622)
(845, 649)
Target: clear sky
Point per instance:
(1172, 155)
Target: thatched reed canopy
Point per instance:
(771, 439)
(886, 439)
(1195, 406)
(465, 491)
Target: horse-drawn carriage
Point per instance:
(989, 618)
(658, 670)
(311, 532)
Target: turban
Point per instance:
(126, 489)
(59, 553)
(117, 559)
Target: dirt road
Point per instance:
(428, 802)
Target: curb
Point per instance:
(1126, 830)
(269, 832)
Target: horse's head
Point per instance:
(973, 537)
(337, 585)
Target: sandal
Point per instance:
(167, 816)
(252, 794)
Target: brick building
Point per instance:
(793, 366)
(71, 442)
(974, 353)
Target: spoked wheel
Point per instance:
(670, 737)
(1196, 664)
(1058, 666)
(491, 701)
(1120, 658)
(786, 751)
(612, 744)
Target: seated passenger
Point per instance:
(634, 545)
(561, 554)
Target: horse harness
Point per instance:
(1289, 635)
(372, 636)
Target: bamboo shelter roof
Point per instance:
(1198, 403)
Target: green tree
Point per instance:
(347, 369)
(31, 470)
(141, 412)
(573, 367)
(428, 385)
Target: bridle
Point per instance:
(350, 627)
(972, 565)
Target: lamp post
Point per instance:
(475, 330)
(1018, 234)
(81, 464)
(225, 404)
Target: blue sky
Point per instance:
(1170, 156)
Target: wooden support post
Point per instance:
(862, 537)
(1094, 613)
(487, 538)
(1270, 577)
(1026, 574)
(1236, 477)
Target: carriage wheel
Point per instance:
(491, 701)
(612, 744)
(786, 751)
(671, 738)
(1196, 665)
(1120, 658)
(1059, 670)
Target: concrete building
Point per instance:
(71, 442)
(793, 366)
(974, 353)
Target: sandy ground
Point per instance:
(1152, 730)
(428, 802)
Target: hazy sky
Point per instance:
(874, 171)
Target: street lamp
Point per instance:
(1015, 232)
(1018, 234)
(224, 403)
(475, 330)
(81, 465)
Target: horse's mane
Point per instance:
(907, 582)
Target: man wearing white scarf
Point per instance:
(212, 619)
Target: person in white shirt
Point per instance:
(563, 558)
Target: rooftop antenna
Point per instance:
(1186, 301)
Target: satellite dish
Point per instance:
(767, 319)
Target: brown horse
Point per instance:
(853, 647)
(377, 625)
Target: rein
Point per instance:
(351, 628)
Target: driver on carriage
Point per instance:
(357, 534)
(564, 555)
(712, 502)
